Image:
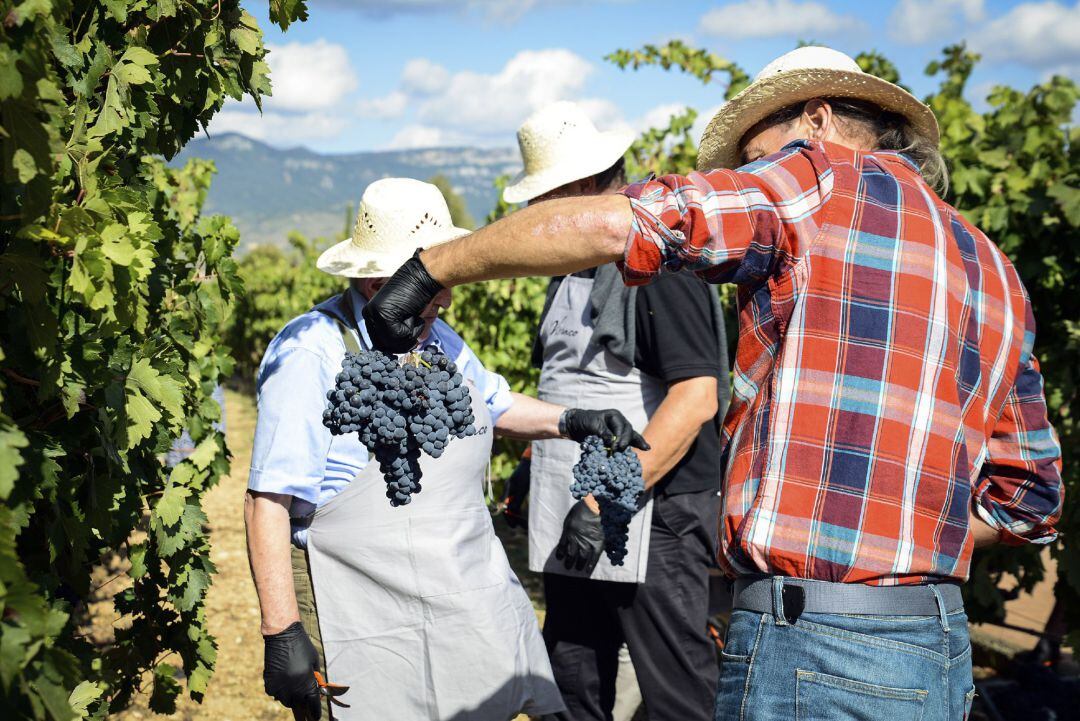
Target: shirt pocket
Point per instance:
(453, 552)
(821, 697)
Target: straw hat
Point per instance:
(397, 216)
(559, 145)
(803, 74)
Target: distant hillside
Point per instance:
(269, 192)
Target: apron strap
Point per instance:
(350, 336)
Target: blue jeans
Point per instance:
(831, 667)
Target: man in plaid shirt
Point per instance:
(887, 412)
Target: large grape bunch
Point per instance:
(400, 408)
(614, 480)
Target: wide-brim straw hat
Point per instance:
(559, 144)
(397, 217)
(800, 75)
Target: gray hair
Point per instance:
(884, 130)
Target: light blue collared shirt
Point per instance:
(293, 453)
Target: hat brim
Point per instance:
(346, 260)
(611, 146)
(719, 146)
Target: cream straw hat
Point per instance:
(804, 74)
(559, 145)
(397, 216)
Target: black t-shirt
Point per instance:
(677, 338)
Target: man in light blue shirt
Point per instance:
(293, 453)
(298, 466)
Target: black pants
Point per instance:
(662, 622)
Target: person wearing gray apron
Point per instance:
(410, 612)
(658, 355)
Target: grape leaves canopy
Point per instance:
(113, 297)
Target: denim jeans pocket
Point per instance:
(821, 697)
(731, 688)
(736, 661)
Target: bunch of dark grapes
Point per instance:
(614, 480)
(398, 410)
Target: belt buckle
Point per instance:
(794, 600)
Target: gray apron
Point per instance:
(579, 374)
(420, 612)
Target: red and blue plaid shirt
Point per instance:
(884, 381)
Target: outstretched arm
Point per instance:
(551, 238)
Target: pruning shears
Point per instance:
(328, 690)
(331, 690)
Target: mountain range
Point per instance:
(271, 191)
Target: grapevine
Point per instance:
(113, 297)
(399, 409)
(614, 480)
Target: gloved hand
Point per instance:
(289, 664)
(393, 315)
(517, 490)
(610, 425)
(582, 539)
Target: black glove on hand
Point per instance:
(610, 425)
(289, 664)
(517, 490)
(582, 539)
(393, 315)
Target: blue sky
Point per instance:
(381, 74)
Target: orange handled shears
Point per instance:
(331, 690)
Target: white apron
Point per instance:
(578, 374)
(420, 612)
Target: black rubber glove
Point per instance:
(289, 665)
(393, 315)
(610, 425)
(515, 493)
(582, 539)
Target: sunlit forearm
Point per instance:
(529, 419)
(550, 238)
(675, 425)
(266, 518)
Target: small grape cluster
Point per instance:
(614, 480)
(400, 409)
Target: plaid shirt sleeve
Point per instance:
(730, 226)
(1019, 489)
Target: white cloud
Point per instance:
(387, 107)
(425, 136)
(485, 104)
(659, 116)
(775, 18)
(919, 21)
(278, 128)
(1044, 34)
(423, 77)
(485, 109)
(309, 76)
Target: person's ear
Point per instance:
(368, 287)
(817, 119)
